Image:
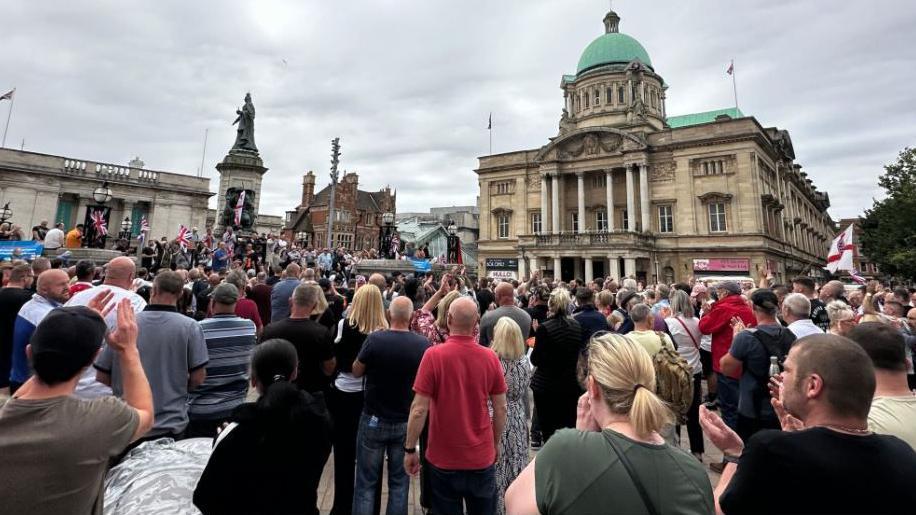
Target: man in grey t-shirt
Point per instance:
(505, 300)
(173, 353)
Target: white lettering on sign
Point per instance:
(502, 274)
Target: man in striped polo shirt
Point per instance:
(230, 340)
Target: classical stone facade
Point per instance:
(59, 189)
(357, 214)
(625, 190)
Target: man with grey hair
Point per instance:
(313, 341)
(662, 291)
(389, 359)
(642, 332)
(796, 311)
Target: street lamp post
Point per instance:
(102, 194)
(125, 228)
(451, 243)
(385, 237)
(6, 213)
(300, 238)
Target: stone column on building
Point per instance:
(631, 200)
(644, 196)
(629, 267)
(614, 267)
(521, 267)
(545, 221)
(580, 215)
(589, 269)
(577, 268)
(609, 192)
(555, 207)
(556, 269)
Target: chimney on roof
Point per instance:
(308, 189)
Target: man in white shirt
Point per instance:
(796, 311)
(55, 237)
(119, 276)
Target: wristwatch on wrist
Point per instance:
(730, 458)
(410, 450)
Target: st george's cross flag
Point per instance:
(842, 250)
(239, 205)
(184, 236)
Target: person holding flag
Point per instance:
(842, 252)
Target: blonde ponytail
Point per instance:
(626, 375)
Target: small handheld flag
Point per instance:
(144, 229)
(183, 237)
(238, 209)
(98, 222)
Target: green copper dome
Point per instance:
(612, 48)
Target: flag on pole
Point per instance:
(184, 236)
(98, 222)
(238, 208)
(490, 122)
(854, 275)
(8, 95)
(841, 252)
(731, 68)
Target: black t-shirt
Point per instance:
(819, 470)
(819, 315)
(485, 297)
(392, 359)
(42, 232)
(313, 345)
(11, 299)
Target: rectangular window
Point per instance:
(665, 219)
(597, 96)
(575, 222)
(586, 99)
(625, 219)
(601, 220)
(717, 217)
(502, 226)
(599, 181)
(609, 95)
(503, 187)
(341, 216)
(536, 223)
(620, 99)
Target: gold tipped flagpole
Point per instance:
(8, 115)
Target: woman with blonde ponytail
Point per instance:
(615, 461)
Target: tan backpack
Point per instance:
(673, 379)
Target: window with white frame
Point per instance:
(502, 225)
(536, 226)
(625, 219)
(575, 221)
(341, 216)
(665, 219)
(601, 220)
(717, 217)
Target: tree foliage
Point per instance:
(889, 227)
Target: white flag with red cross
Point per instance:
(842, 250)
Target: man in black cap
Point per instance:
(751, 352)
(56, 447)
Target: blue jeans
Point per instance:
(376, 438)
(448, 488)
(727, 392)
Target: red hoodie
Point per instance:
(717, 322)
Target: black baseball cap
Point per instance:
(66, 341)
(765, 298)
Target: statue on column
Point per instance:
(244, 139)
(566, 124)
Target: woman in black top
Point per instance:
(270, 459)
(557, 346)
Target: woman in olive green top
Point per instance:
(614, 461)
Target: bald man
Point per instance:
(505, 302)
(281, 293)
(119, 277)
(454, 380)
(51, 291)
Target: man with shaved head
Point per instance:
(52, 290)
(119, 277)
(454, 382)
(389, 359)
(281, 293)
(505, 300)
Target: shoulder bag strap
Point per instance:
(692, 338)
(650, 507)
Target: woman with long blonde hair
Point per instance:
(345, 400)
(615, 459)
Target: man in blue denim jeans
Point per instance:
(389, 360)
(454, 382)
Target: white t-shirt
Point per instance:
(88, 387)
(54, 239)
(687, 340)
(894, 416)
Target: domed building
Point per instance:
(623, 189)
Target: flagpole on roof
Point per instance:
(490, 130)
(12, 97)
(731, 72)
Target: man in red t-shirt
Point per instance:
(454, 382)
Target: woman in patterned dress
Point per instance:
(513, 457)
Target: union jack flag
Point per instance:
(854, 275)
(99, 223)
(184, 236)
(144, 229)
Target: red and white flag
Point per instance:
(8, 95)
(99, 223)
(184, 236)
(238, 208)
(731, 68)
(854, 275)
(842, 250)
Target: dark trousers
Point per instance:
(728, 399)
(204, 428)
(453, 490)
(694, 431)
(345, 408)
(555, 410)
(747, 426)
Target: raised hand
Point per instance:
(722, 436)
(585, 421)
(101, 303)
(124, 337)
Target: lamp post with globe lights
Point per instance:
(451, 243)
(385, 239)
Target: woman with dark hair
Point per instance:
(270, 458)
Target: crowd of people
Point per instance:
(531, 396)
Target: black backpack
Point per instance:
(775, 345)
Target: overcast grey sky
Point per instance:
(408, 84)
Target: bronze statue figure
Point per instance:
(244, 139)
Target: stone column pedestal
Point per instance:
(243, 170)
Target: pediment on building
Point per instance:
(501, 211)
(590, 142)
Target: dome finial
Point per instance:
(611, 21)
